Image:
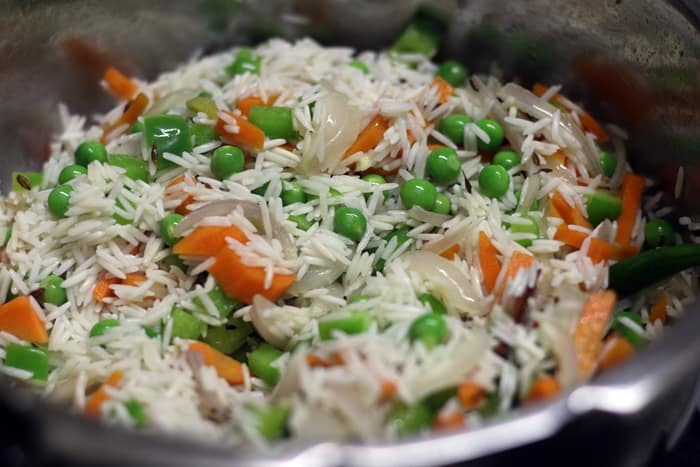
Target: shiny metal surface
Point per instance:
(636, 62)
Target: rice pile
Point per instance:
(487, 343)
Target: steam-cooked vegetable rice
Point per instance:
(299, 241)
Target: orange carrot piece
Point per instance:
(451, 252)
(205, 241)
(19, 318)
(616, 350)
(573, 238)
(244, 282)
(631, 195)
(226, 367)
(590, 328)
(621, 252)
(470, 394)
(247, 135)
(369, 137)
(134, 279)
(119, 85)
(433, 147)
(449, 421)
(658, 311)
(488, 258)
(103, 288)
(588, 123)
(387, 389)
(599, 250)
(176, 189)
(545, 387)
(93, 406)
(570, 214)
(444, 89)
(128, 118)
(518, 261)
(246, 103)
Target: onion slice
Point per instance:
(446, 280)
(317, 277)
(262, 322)
(251, 211)
(174, 99)
(534, 106)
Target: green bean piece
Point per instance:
(355, 322)
(261, 362)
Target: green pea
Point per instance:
(401, 234)
(70, 172)
(374, 180)
(173, 260)
(138, 415)
(452, 126)
(203, 104)
(185, 324)
(59, 200)
(202, 134)
(429, 328)
(151, 332)
(443, 205)
(205, 94)
(350, 223)
(444, 165)
(302, 222)
(658, 232)
(418, 192)
(360, 65)
(272, 422)
(226, 340)
(90, 151)
(355, 322)
(608, 162)
(493, 181)
(260, 362)
(135, 169)
(32, 359)
(434, 303)
(417, 39)
(227, 160)
(292, 192)
(495, 132)
(167, 229)
(243, 64)
(409, 419)
(275, 122)
(223, 304)
(637, 340)
(167, 133)
(602, 205)
(54, 293)
(101, 327)
(506, 159)
(22, 181)
(532, 227)
(137, 127)
(453, 72)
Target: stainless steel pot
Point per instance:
(633, 61)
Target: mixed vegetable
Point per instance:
(248, 264)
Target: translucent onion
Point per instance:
(534, 106)
(317, 277)
(174, 99)
(446, 280)
(453, 236)
(264, 324)
(251, 211)
(338, 123)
